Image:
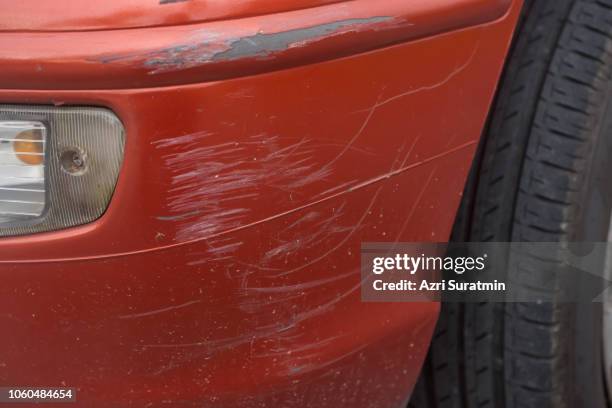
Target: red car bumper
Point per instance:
(226, 269)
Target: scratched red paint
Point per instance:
(169, 55)
(225, 271)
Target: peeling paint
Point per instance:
(262, 45)
(214, 47)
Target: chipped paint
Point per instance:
(262, 45)
(214, 47)
(211, 183)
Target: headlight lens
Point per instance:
(22, 171)
(58, 166)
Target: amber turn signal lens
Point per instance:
(28, 147)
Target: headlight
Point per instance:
(58, 166)
(22, 171)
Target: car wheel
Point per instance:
(543, 175)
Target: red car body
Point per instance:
(265, 140)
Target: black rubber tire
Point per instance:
(541, 176)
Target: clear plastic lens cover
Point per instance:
(58, 166)
(22, 170)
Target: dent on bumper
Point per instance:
(226, 268)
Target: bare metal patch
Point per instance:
(161, 2)
(261, 45)
(213, 47)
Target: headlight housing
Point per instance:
(58, 166)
